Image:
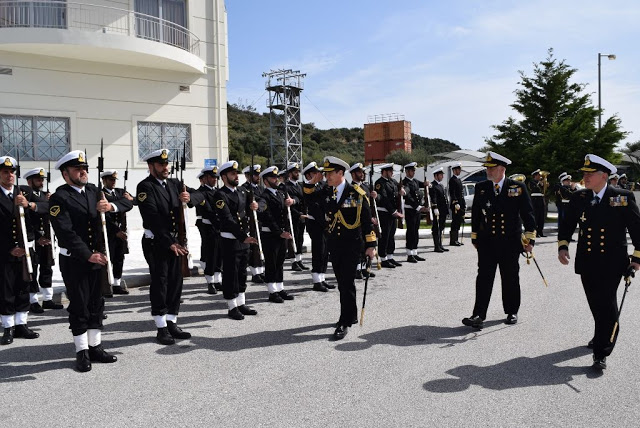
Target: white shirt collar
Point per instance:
(161, 181)
(233, 189)
(340, 189)
(272, 190)
(600, 194)
(76, 188)
(500, 183)
(209, 187)
(6, 192)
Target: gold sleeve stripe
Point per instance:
(563, 244)
(371, 237)
(636, 254)
(530, 235)
(474, 235)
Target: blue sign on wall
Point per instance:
(210, 162)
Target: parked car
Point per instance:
(468, 189)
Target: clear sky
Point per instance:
(449, 66)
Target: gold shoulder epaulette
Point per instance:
(359, 190)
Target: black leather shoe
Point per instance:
(340, 332)
(455, 244)
(49, 304)
(275, 298)
(285, 295)
(83, 363)
(444, 249)
(247, 310)
(459, 244)
(511, 319)
(257, 279)
(438, 250)
(474, 321)
(176, 332)
(328, 286)
(387, 264)
(235, 314)
(295, 266)
(368, 274)
(420, 259)
(398, 264)
(35, 308)
(163, 337)
(317, 286)
(211, 288)
(590, 344)
(119, 290)
(7, 337)
(359, 274)
(599, 363)
(303, 266)
(411, 259)
(97, 353)
(24, 332)
(104, 316)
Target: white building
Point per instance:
(140, 74)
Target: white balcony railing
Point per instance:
(91, 17)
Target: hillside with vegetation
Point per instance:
(249, 134)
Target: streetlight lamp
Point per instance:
(611, 57)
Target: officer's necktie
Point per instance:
(496, 189)
(10, 196)
(596, 200)
(335, 193)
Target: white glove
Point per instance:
(457, 207)
(436, 212)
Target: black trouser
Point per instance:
(538, 211)
(502, 253)
(274, 248)
(42, 262)
(437, 228)
(117, 250)
(601, 291)
(210, 249)
(234, 264)
(319, 259)
(345, 259)
(412, 218)
(14, 290)
(456, 221)
(388, 225)
(166, 278)
(83, 288)
(298, 229)
(254, 250)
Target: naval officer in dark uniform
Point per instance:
(43, 259)
(388, 194)
(232, 205)
(75, 210)
(252, 185)
(14, 286)
(116, 229)
(160, 200)
(275, 233)
(457, 205)
(500, 207)
(209, 227)
(439, 208)
(348, 216)
(413, 209)
(358, 178)
(604, 215)
(536, 190)
(298, 213)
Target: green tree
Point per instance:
(558, 124)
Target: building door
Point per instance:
(42, 14)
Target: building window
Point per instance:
(173, 136)
(164, 21)
(42, 14)
(34, 138)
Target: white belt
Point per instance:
(565, 201)
(227, 235)
(64, 251)
(384, 210)
(148, 234)
(310, 217)
(206, 221)
(265, 229)
(537, 194)
(198, 217)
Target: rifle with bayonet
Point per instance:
(254, 215)
(27, 265)
(427, 197)
(374, 206)
(48, 228)
(400, 203)
(123, 216)
(103, 237)
(183, 218)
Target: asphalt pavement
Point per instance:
(412, 363)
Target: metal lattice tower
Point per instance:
(285, 139)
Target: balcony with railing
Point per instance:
(97, 33)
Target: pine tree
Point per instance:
(558, 125)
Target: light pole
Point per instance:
(611, 57)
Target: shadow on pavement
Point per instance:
(516, 373)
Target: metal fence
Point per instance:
(91, 17)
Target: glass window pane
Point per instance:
(173, 136)
(37, 138)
